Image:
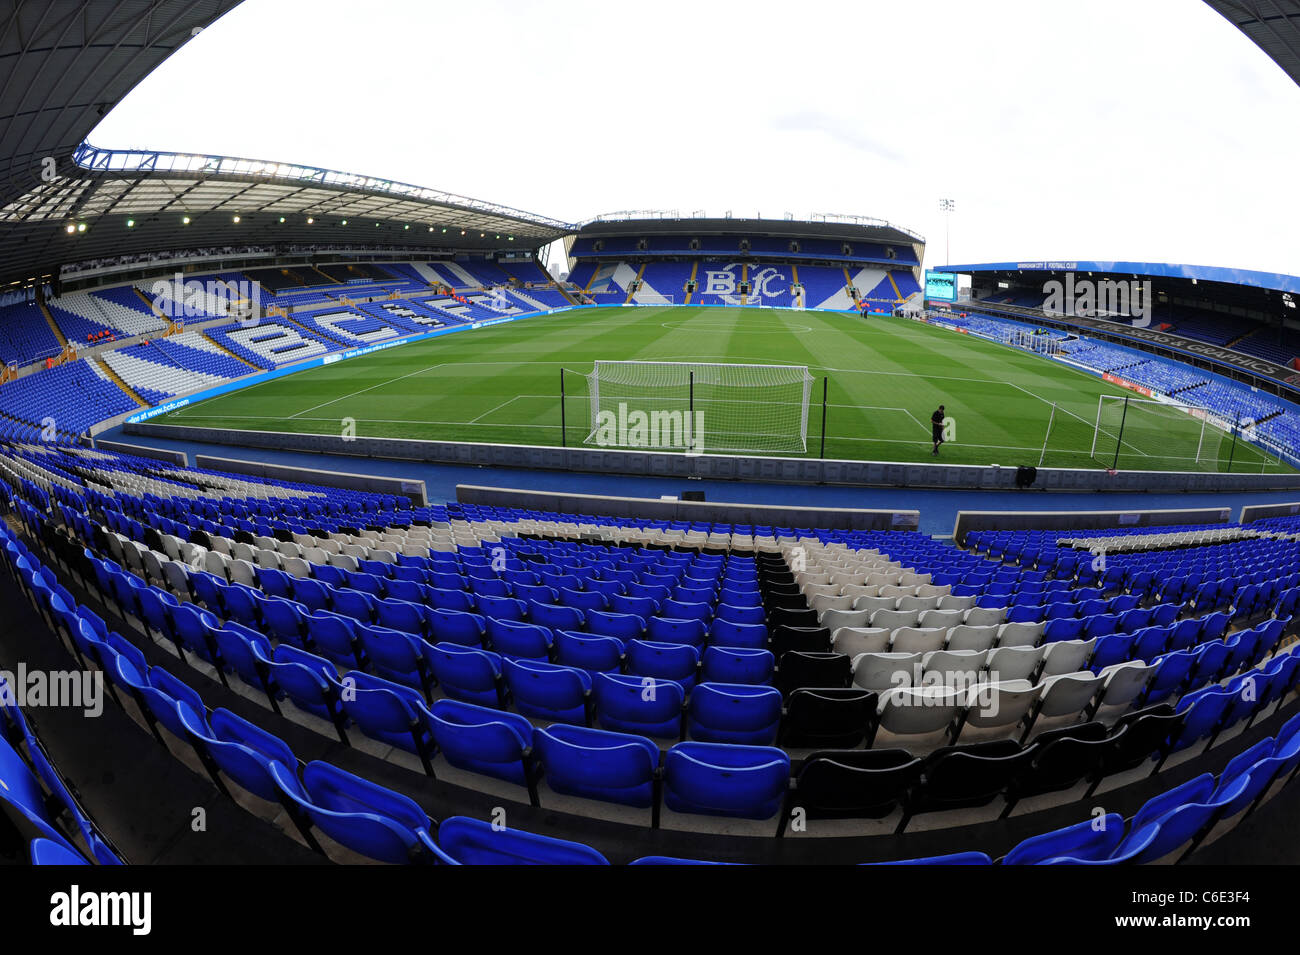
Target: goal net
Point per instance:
(697, 407)
(645, 296)
(1039, 344)
(1141, 433)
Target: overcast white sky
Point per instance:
(1111, 129)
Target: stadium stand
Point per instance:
(71, 397)
(824, 285)
(268, 343)
(193, 351)
(25, 335)
(662, 281)
(1270, 417)
(153, 375)
(530, 671)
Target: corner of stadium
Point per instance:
(399, 526)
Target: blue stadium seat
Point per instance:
(664, 661)
(360, 815)
(503, 608)
(310, 683)
(589, 652)
(468, 674)
(388, 712)
(46, 851)
(726, 633)
(734, 713)
(487, 741)
(670, 630)
(471, 842)
(599, 764)
(396, 655)
(721, 779)
(335, 637)
(556, 617)
(282, 619)
(517, 640)
(585, 600)
(737, 665)
(456, 626)
(401, 615)
(549, 691)
(1092, 839)
(622, 626)
(727, 613)
(239, 749)
(644, 607)
(449, 599)
(639, 705)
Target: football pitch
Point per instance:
(885, 377)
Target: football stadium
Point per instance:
(364, 522)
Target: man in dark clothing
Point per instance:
(936, 428)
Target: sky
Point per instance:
(1151, 130)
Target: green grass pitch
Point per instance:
(501, 385)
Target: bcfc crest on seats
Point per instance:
(767, 282)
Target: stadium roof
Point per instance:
(121, 202)
(1276, 281)
(64, 64)
(1274, 25)
(820, 226)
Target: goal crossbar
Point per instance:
(742, 408)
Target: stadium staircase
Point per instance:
(848, 284)
(898, 296)
(566, 294)
(152, 307)
(1270, 416)
(695, 269)
(744, 278)
(117, 379)
(1240, 338)
(226, 351)
(54, 326)
(467, 279)
(635, 285)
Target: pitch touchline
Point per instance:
(556, 427)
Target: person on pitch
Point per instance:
(936, 428)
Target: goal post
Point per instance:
(1191, 438)
(644, 296)
(697, 406)
(1038, 343)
